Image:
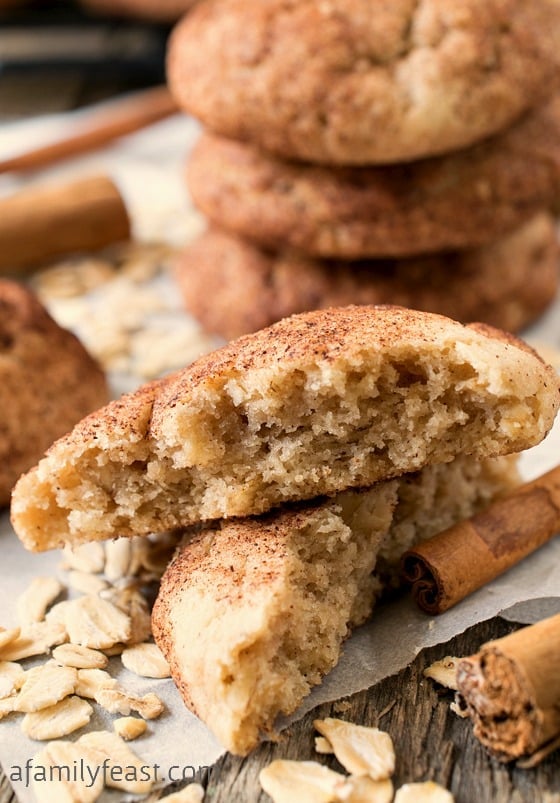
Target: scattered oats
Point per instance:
(55, 788)
(131, 602)
(323, 746)
(146, 660)
(72, 278)
(12, 678)
(155, 351)
(68, 312)
(426, 792)
(80, 657)
(129, 728)
(7, 636)
(85, 557)
(35, 639)
(342, 706)
(57, 614)
(110, 746)
(86, 583)
(8, 705)
(116, 649)
(96, 622)
(151, 555)
(302, 781)
(45, 685)
(119, 701)
(33, 603)
(193, 793)
(91, 681)
(106, 342)
(58, 720)
(360, 750)
(118, 555)
(362, 789)
(444, 672)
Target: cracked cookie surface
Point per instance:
(363, 82)
(462, 200)
(233, 287)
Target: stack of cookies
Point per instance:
(365, 152)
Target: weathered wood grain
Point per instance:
(431, 742)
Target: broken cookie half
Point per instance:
(309, 455)
(252, 614)
(315, 404)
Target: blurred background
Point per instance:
(60, 55)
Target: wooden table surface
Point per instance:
(431, 742)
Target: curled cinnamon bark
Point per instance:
(512, 691)
(448, 567)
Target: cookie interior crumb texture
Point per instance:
(314, 404)
(252, 614)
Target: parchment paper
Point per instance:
(149, 168)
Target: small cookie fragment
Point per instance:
(146, 660)
(129, 728)
(425, 792)
(56, 787)
(444, 672)
(360, 750)
(80, 657)
(57, 720)
(125, 770)
(33, 603)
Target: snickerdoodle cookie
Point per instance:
(251, 614)
(315, 404)
(48, 382)
(363, 81)
(462, 200)
(232, 286)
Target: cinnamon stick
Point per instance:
(512, 691)
(448, 567)
(40, 223)
(123, 117)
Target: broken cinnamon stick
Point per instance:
(448, 567)
(124, 116)
(512, 692)
(40, 223)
